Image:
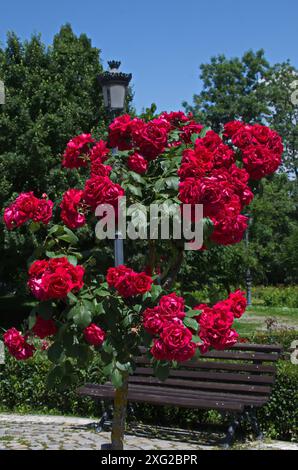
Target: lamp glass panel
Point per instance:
(117, 96)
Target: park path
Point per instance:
(31, 432)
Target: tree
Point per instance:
(281, 95)
(232, 89)
(51, 94)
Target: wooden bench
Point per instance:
(238, 380)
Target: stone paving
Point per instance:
(30, 432)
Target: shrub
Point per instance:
(276, 296)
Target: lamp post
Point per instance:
(114, 88)
(248, 276)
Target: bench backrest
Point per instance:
(245, 369)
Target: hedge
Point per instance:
(23, 389)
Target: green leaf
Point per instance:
(161, 370)
(191, 323)
(135, 190)
(204, 131)
(116, 378)
(72, 297)
(57, 229)
(123, 366)
(55, 351)
(193, 313)
(53, 254)
(69, 237)
(172, 182)
(34, 227)
(196, 339)
(72, 259)
(80, 315)
(136, 177)
(101, 293)
(155, 291)
(31, 321)
(194, 137)
(159, 185)
(107, 370)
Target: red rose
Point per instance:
(99, 152)
(44, 328)
(55, 278)
(57, 285)
(94, 335)
(142, 283)
(185, 354)
(101, 190)
(171, 306)
(260, 161)
(210, 141)
(190, 191)
(76, 151)
(27, 203)
(175, 118)
(175, 336)
(17, 345)
(189, 129)
(244, 137)
(232, 127)
(223, 156)
(71, 205)
(25, 207)
(99, 169)
(151, 138)
(120, 132)
(159, 350)
(114, 274)
(229, 230)
(43, 211)
(137, 163)
(238, 303)
(152, 320)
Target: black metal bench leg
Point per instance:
(255, 425)
(230, 436)
(106, 416)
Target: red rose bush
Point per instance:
(85, 306)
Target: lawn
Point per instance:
(256, 318)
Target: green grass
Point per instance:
(255, 317)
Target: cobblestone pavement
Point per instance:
(29, 432)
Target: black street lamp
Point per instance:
(114, 88)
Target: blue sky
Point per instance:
(162, 42)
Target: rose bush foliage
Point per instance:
(165, 159)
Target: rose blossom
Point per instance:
(44, 328)
(94, 335)
(17, 345)
(137, 163)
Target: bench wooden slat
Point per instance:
(256, 368)
(197, 394)
(192, 384)
(242, 356)
(257, 347)
(108, 392)
(216, 376)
